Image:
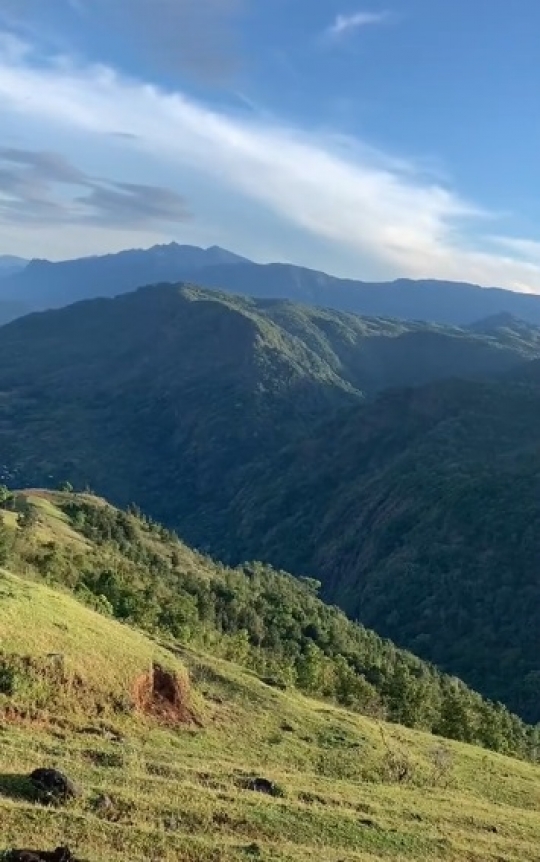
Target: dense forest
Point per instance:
(132, 568)
(421, 515)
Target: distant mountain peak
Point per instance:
(10, 264)
(44, 284)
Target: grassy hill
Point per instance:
(262, 773)
(100, 659)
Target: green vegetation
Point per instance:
(134, 570)
(255, 429)
(421, 516)
(263, 774)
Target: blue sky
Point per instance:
(371, 140)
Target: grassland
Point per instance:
(343, 787)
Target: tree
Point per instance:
(27, 517)
(455, 720)
(309, 668)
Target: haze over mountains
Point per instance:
(43, 284)
(10, 264)
(397, 462)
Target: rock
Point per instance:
(52, 786)
(263, 785)
(367, 822)
(61, 854)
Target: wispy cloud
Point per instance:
(42, 187)
(348, 23)
(351, 197)
(527, 249)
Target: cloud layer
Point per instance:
(334, 189)
(41, 187)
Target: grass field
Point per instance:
(342, 787)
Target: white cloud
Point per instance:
(347, 23)
(350, 197)
(527, 249)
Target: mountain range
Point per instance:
(42, 285)
(397, 462)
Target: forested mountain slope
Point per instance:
(421, 515)
(133, 570)
(256, 429)
(178, 385)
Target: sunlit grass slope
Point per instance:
(343, 787)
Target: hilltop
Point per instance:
(263, 772)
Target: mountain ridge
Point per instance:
(43, 284)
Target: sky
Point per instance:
(371, 140)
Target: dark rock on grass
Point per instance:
(368, 823)
(263, 785)
(61, 854)
(52, 786)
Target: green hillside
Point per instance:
(135, 571)
(100, 658)
(249, 770)
(175, 386)
(258, 430)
